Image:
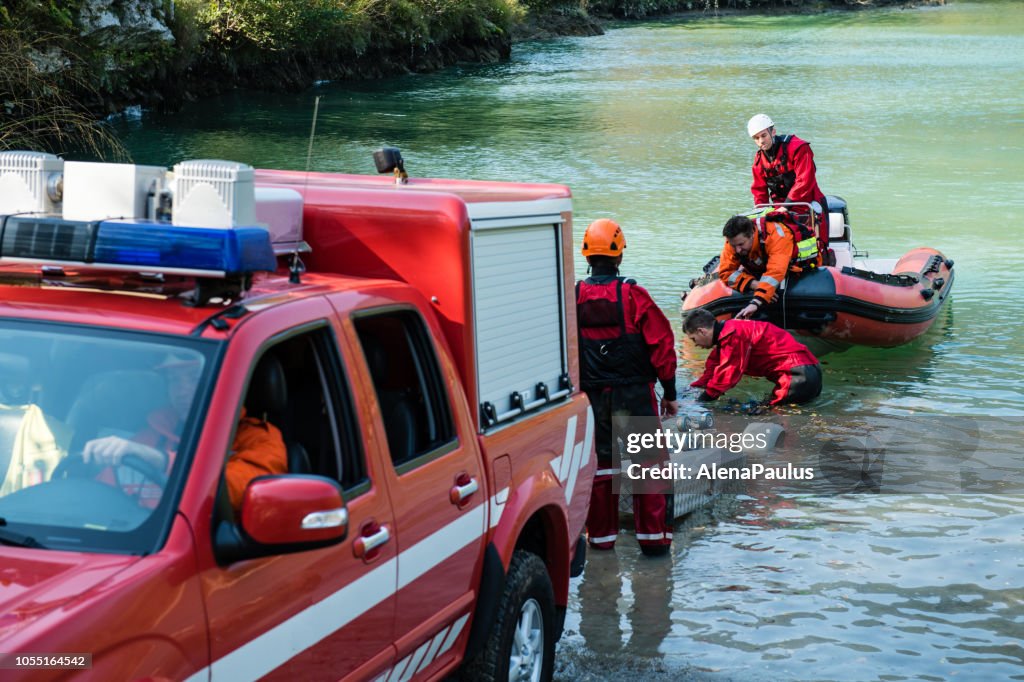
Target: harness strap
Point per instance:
(622, 312)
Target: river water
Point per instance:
(916, 118)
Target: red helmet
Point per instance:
(603, 237)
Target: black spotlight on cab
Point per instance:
(388, 159)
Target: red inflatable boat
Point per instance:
(859, 301)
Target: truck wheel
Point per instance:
(521, 645)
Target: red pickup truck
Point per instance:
(414, 344)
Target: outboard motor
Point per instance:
(838, 205)
(838, 219)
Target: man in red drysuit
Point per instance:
(756, 348)
(784, 172)
(626, 343)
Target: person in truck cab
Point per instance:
(626, 343)
(784, 172)
(258, 448)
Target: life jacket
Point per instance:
(806, 251)
(609, 354)
(778, 174)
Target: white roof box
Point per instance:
(97, 191)
(213, 193)
(26, 181)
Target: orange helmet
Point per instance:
(603, 238)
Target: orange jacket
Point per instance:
(258, 450)
(767, 264)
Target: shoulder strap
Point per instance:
(579, 327)
(622, 310)
(783, 141)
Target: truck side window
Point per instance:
(413, 401)
(316, 420)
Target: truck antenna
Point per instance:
(312, 134)
(297, 268)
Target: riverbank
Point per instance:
(69, 66)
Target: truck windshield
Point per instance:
(95, 426)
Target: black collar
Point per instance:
(602, 274)
(716, 331)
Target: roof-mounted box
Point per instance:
(98, 191)
(29, 182)
(213, 193)
(280, 209)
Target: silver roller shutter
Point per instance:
(520, 321)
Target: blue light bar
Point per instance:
(149, 246)
(154, 246)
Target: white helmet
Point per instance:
(758, 123)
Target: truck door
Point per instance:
(436, 483)
(320, 613)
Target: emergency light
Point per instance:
(137, 245)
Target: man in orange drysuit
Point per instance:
(760, 253)
(258, 448)
(626, 343)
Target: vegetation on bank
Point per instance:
(293, 42)
(47, 85)
(64, 64)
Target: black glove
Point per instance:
(705, 397)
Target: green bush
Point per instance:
(49, 15)
(346, 27)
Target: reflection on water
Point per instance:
(645, 595)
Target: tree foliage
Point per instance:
(346, 27)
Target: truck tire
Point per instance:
(521, 645)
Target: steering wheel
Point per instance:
(75, 466)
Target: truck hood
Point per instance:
(34, 583)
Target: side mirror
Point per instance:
(388, 159)
(282, 515)
(292, 509)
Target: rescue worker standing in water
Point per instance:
(626, 343)
(784, 171)
(761, 251)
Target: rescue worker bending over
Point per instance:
(257, 450)
(784, 171)
(626, 342)
(758, 349)
(760, 253)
